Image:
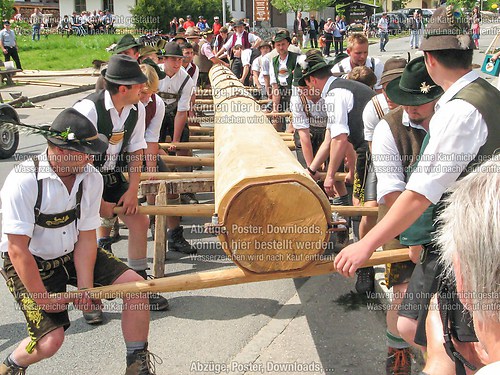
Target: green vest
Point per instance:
(485, 98)
(290, 64)
(105, 126)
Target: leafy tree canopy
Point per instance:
(6, 9)
(300, 5)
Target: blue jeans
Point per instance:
(414, 38)
(36, 32)
(384, 38)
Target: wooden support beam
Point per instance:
(206, 145)
(174, 175)
(188, 145)
(47, 83)
(207, 210)
(200, 130)
(160, 243)
(188, 161)
(226, 276)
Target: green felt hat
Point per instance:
(415, 86)
(126, 43)
(312, 63)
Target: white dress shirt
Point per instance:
(387, 159)
(338, 103)
(196, 72)
(370, 116)
(457, 131)
(19, 194)
(280, 80)
(136, 142)
(152, 133)
(378, 69)
(173, 84)
(299, 118)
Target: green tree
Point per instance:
(157, 14)
(300, 5)
(6, 9)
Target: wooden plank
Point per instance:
(174, 175)
(186, 161)
(227, 276)
(33, 81)
(160, 243)
(207, 145)
(188, 145)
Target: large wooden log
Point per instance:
(226, 276)
(264, 198)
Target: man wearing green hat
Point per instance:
(281, 74)
(396, 143)
(49, 219)
(463, 130)
(117, 113)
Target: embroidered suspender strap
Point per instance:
(56, 220)
(341, 68)
(378, 108)
(305, 105)
(372, 60)
(172, 107)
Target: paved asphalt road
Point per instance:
(316, 325)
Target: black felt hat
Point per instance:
(123, 70)
(73, 131)
(172, 49)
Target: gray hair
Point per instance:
(470, 237)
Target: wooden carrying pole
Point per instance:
(189, 161)
(265, 200)
(205, 145)
(207, 210)
(227, 276)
